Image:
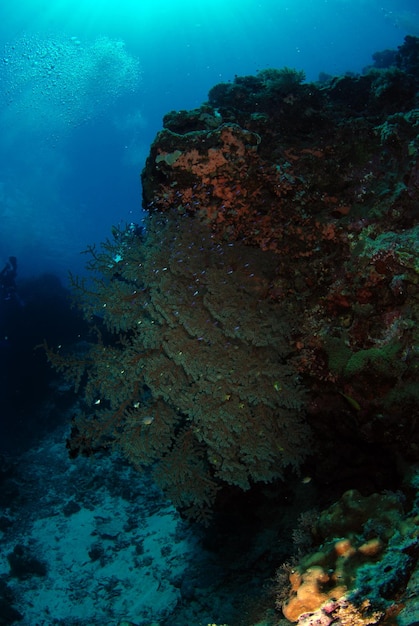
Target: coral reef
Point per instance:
(325, 177)
(202, 378)
(275, 291)
(266, 319)
(366, 550)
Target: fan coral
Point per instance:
(197, 373)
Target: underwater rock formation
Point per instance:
(326, 178)
(266, 317)
(365, 551)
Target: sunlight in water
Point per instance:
(136, 13)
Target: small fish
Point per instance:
(147, 420)
(354, 403)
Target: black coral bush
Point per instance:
(192, 372)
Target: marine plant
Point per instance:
(282, 79)
(192, 371)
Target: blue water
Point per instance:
(84, 85)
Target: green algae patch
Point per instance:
(338, 354)
(383, 360)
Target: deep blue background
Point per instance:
(70, 157)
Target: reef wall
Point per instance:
(325, 178)
(265, 320)
(269, 310)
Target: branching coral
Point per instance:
(198, 374)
